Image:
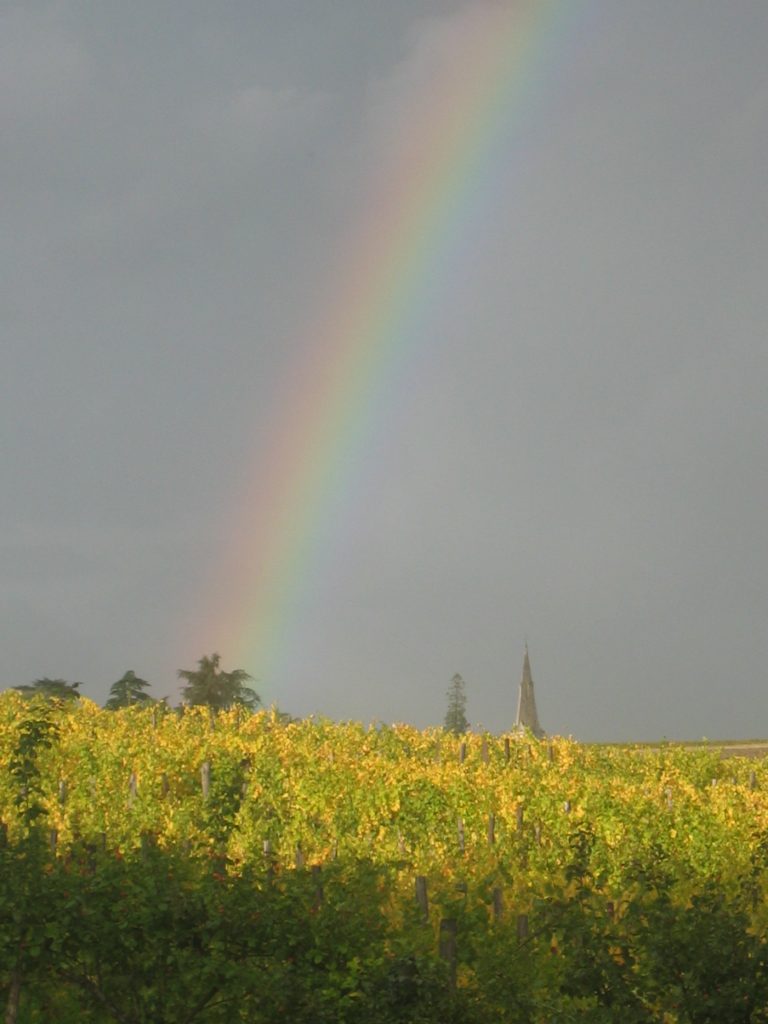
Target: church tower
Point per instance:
(527, 717)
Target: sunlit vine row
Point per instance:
(580, 881)
(434, 804)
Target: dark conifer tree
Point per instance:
(209, 686)
(455, 717)
(127, 691)
(46, 687)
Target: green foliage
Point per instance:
(227, 788)
(455, 717)
(57, 688)
(155, 935)
(129, 897)
(158, 936)
(37, 731)
(128, 690)
(207, 685)
(702, 962)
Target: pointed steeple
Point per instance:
(527, 717)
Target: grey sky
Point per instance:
(581, 458)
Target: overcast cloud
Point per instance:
(578, 455)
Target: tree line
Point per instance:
(207, 685)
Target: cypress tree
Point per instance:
(455, 717)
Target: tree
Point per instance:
(209, 686)
(127, 691)
(455, 717)
(50, 688)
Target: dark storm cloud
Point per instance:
(581, 458)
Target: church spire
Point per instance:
(527, 717)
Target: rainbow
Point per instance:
(386, 281)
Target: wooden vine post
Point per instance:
(447, 948)
(497, 899)
(421, 896)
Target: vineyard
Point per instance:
(162, 866)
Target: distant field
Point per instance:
(750, 748)
(727, 748)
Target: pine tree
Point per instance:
(455, 717)
(209, 686)
(126, 691)
(58, 688)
